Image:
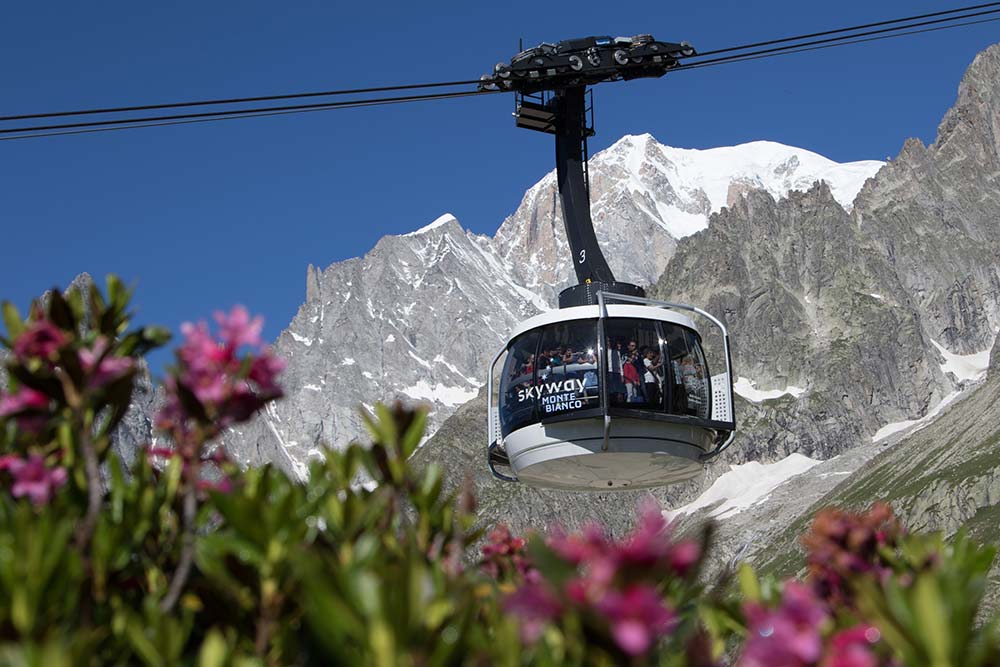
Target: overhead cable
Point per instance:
(949, 19)
(237, 100)
(864, 26)
(155, 121)
(801, 48)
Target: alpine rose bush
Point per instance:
(183, 558)
(220, 380)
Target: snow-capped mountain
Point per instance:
(420, 316)
(646, 196)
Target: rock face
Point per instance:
(421, 315)
(813, 305)
(416, 318)
(860, 308)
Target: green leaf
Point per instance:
(47, 385)
(413, 434)
(932, 618)
(749, 583)
(118, 294)
(191, 403)
(141, 644)
(213, 650)
(553, 568)
(96, 301)
(432, 483)
(156, 336)
(74, 297)
(69, 360)
(12, 319)
(118, 395)
(60, 313)
(382, 643)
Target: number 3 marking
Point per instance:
(583, 256)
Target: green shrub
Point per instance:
(185, 559)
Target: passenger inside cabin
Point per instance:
(651, 376)
(633, 384)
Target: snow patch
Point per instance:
(443, 220)
(440, 393)
(313, 387)
(877, 296)
(422, 362)
(964, 366)
(390, 339)
(348, 362)
(896, 427)
(747, 388)
(301, 339)
(744, 486)
(439, 359)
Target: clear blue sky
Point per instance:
(199, 217)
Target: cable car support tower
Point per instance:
(551, 96)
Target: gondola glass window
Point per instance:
(519, 373)
(635, 365)
(567, 377)
(690, 385)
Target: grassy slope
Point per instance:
(943, 477)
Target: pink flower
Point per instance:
(852, 648)
(104, 368)
(229, 385)
(651, 546)
(684, 556)
(42, 339)
(789, 636)
(504, 554)
(638, 618)
(32, 478)
(843, 545)
(579, 548)
(237, 329)
(535, 606)
(28, 406)
(593, 553)
(200, 350)
(264, 372)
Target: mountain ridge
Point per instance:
(419, 316)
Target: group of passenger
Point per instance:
(637, 373)
(638, 370)
(550, 358)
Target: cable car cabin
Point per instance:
(608, 396)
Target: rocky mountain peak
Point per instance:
(83, 281)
